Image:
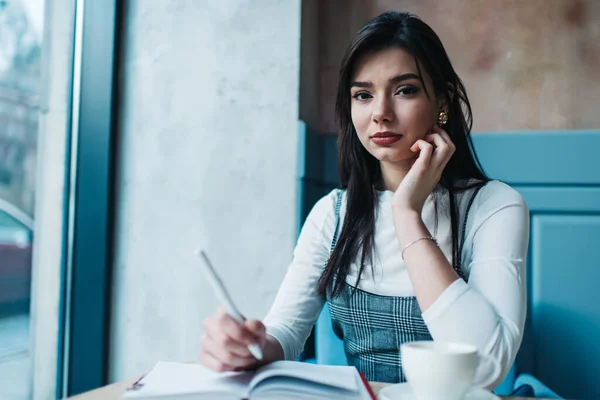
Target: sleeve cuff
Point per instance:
(282, 338)
(445, 300)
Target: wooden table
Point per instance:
(114, 392)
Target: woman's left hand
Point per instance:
(434, 152)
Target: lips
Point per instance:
(385, 138)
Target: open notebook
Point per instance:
(278, 380)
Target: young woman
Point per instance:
(418, 244)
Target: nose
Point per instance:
(383, 110)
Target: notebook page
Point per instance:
(337, 376)
(172, 378)
(284, 387)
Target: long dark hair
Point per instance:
(360, 171)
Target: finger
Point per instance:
(426, 149)
(446, 137)
(225, 356)
(227, 343)
(209, 361)
(255, 327)
(258, 329)
(442, 149)
(233, 329)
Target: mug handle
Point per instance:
(493, 376)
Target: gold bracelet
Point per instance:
(415, 241)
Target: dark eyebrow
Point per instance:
(405, 77)
(396, 79)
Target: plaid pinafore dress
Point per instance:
(373, 327)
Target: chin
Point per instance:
(390, 154)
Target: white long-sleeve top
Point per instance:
(488, 312)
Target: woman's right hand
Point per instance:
(224, 344)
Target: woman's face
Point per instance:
(390, 109)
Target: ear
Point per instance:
(444, 100)
(442, 103)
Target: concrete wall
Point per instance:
(207, 158)
(57, 62)
(526, 64)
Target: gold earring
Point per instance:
(442, 118)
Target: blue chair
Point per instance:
(527, 385)
(329, 349)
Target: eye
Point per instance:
(361, 96)
(407, 90)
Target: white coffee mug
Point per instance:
(440, 370)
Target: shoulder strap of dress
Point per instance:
(464, 225)
(338, 205)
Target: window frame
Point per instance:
(85, 303)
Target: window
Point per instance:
(21, 28)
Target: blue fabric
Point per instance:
(539, 389)
(506, 387)
(329, 349)
(523, 391)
